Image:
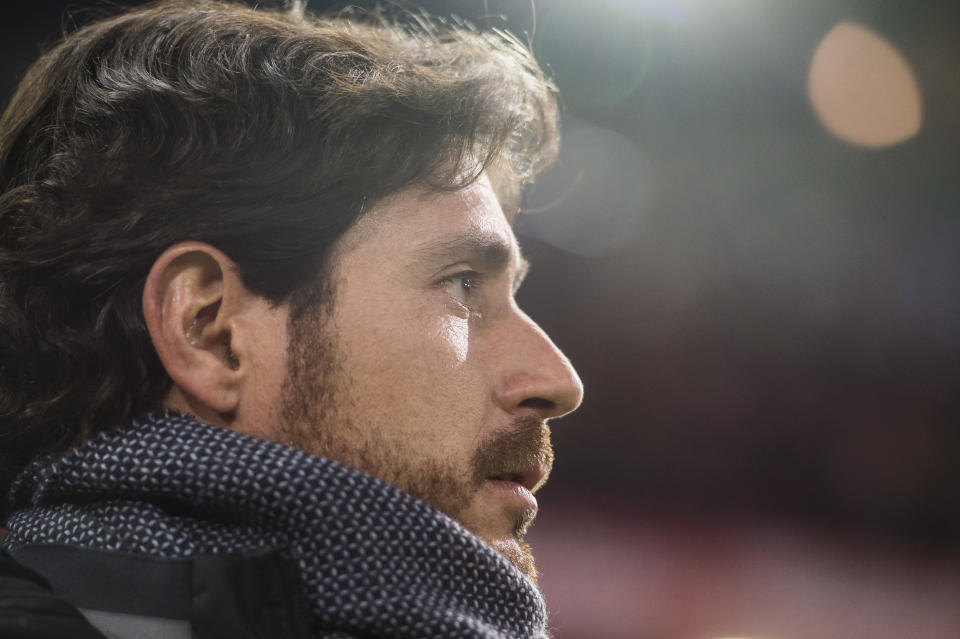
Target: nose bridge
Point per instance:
(537, 373)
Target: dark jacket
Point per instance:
(62, 592)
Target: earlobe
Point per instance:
(187, 305)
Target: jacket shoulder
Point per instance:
(244, 596)
(30, 610)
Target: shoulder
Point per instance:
(246, 596)
(30, 610)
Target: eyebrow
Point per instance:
(488, 250)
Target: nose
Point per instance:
(536, 374)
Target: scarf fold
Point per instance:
(373, 560)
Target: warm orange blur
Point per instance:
(862, 88)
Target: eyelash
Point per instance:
(469, 281)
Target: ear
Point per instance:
(191, 300)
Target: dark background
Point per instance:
(766, 318)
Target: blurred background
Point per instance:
(750, 249)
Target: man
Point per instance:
(262, 371)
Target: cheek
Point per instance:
(453, 336)
(266, 356)
(431, 362)
(423, 369)
(408, 344)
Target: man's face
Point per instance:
(425, 372)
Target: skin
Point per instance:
(423, 371)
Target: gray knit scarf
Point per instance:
(373, 560)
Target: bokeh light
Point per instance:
(597, 197)
(862, 88)
(597, 57)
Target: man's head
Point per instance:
(290, 227)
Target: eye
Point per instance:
(461, 286)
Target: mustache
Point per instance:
(525, 444)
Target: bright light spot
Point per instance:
(597, 54)
(862, 89)
(597, 198)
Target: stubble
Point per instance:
(317, 417)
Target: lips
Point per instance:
(518, 458)
(531, 478)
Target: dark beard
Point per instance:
(315, 418)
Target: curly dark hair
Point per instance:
(265, 134)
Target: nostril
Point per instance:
(538, 403)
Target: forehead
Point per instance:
(417, 220)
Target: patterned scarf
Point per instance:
(373, 560)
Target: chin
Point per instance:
(517, 552)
